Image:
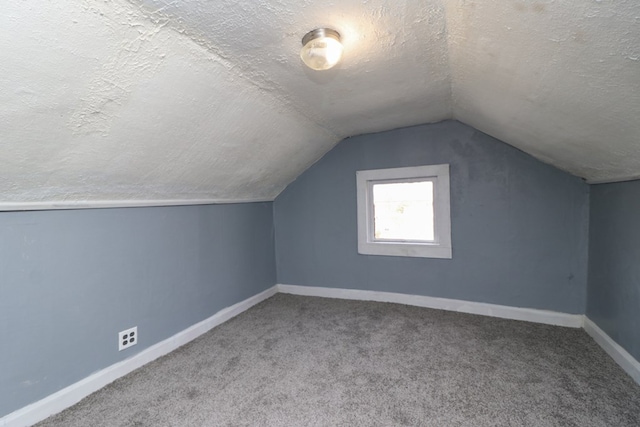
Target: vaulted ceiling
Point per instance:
(167, 101)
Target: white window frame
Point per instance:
(440, 247)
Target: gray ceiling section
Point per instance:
(207, 101)
(557, 79)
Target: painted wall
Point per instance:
(614, 262)
(519, 227)
(70, 280)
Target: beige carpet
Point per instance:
(303, 361)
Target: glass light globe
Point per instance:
(321, 49)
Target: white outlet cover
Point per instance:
(127, 338)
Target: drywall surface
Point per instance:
(138, 102)
(71, 280)
(613, 301)
(557, 79)
(519, 227)
(198, 100)
(98, 102)
(395, 60)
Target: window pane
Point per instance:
(403, 211)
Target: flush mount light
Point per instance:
(321, 48)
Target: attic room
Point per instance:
(192, 225)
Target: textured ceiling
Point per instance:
(557, 79)
(171, 101)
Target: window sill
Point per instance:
(422, 250)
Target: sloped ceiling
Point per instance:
(174, 101)
(557, 79)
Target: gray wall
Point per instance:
(614, 263)
(519, 227)
(70, 280)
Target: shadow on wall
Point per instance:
(71, 280)
(519, 226)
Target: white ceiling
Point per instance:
(167, 101)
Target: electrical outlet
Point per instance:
(127, 338)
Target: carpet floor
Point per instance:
(304, 361)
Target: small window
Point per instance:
(404, 212)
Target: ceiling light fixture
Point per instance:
(321, 48)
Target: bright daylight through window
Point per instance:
(404, 212)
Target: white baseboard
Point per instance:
(626, 361)
(71, 395)
(493, 310)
